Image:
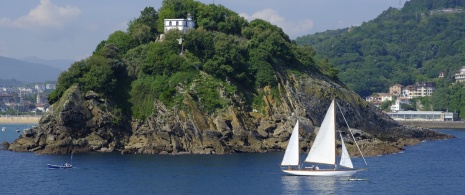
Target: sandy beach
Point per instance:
(19, 119)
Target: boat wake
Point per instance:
(357, 179)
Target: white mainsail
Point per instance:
(324, 148)
(291, 156)
(345, 158)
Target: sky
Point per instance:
(71, 29)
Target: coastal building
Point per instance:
(420, 89)
(374, 99)
(423, 116)
(460, 76)
(396, 89)
(39, 87)
(181, 24)
(23, 90)
(385, 97)
(41, 99)
(42, 107)
(399, 101)
(50, 86)
(425, 88)
(379, 97)
(409, 91)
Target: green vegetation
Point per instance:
(400, 46)
(450, 97)
(413, 44)
(223, 54)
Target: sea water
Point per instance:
(432, 167)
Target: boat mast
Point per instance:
(334, 118)
(350, 131)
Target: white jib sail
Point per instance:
(324, 147)
(345, 158)
(291, 156)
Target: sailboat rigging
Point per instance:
(323, 151)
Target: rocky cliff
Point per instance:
(83, 122)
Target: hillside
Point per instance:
(403, 46)
(231, 86)
(62, 64)
(26, 72)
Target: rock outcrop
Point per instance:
(84, 123)
(80, 122)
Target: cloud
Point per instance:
(45, 15)
(292, 28)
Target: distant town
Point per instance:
(402, 95)
(20, 101)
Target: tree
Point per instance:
(200, 43)
(144, 28)
(328, 68)
(232, 25)
(120, 40)
(386, 105)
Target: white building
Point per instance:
(399, 101)
(181, 24)
(50, 86)
(423, 116)
(385, 97)
(420, 89)
(42, 107)
(40, 87)
(460, 76)
(24, 89)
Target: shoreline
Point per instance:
(20, 119)
(435, 124)
(424, 124)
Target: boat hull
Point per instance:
(327, 172)
(59, 166)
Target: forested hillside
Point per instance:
(133, 68)
(407, 45)
(231, 86)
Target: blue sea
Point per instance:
(432, 167)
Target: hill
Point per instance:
(226, 86)
(404, 46)
(26, 72)
(62, 64)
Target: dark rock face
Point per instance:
(80, 122)
(84, 122)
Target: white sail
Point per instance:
(324, 148)
(345, 158)
(291, 156)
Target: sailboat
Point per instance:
(3, 128)
(323, 151)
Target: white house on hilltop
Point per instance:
(181, 24)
